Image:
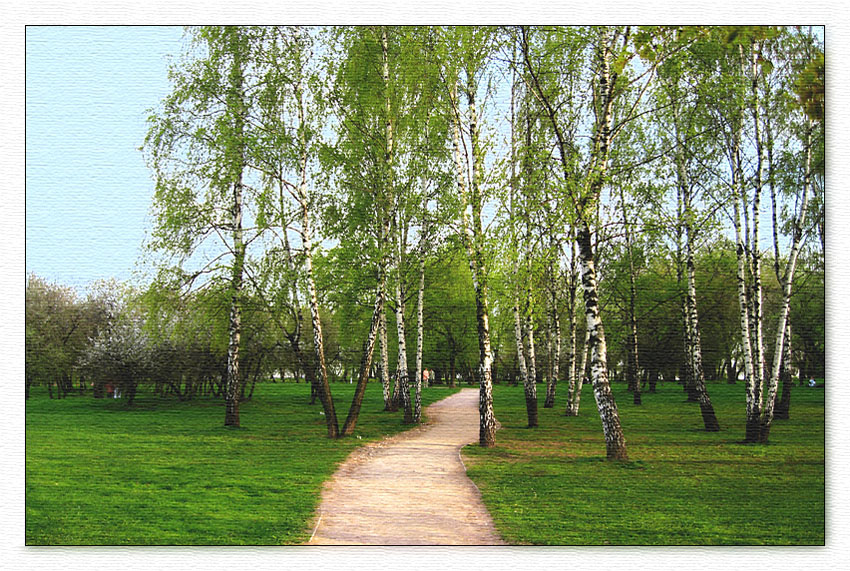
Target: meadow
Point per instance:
(165, 472)
(551, 485)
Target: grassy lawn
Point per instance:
(552, 485)
(169, 473)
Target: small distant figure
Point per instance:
(117, 393)
(109, 390)
(425, 375)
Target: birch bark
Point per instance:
(787, 281)
(574, 380)
(555, 349)
(306, 236)
(402, 380)
(585, 205)
(390, 400)
(420, 323)
(236, 107)
(473, 240)
(365, 366)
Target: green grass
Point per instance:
(681, 486)
(169, 473)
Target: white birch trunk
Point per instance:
(708, 416)
(390, 403)
(520, 350)
(231, 416)
(615, 442)
(751, 368)
(402, 380)
(691, 313)
(420, 330)
(582, 374)
(573, 380)
(382, 334)
(529, 340)
(554, 347)
(473, 237)
(787, 281)
(753, 402)
(306, 236)
(235, 105)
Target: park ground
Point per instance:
(168, 473)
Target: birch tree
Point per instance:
(812, 116)
(465, 67)
(196, 147)
(607, 45)
(361, 160)
(681, 92)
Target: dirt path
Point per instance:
(410, 489)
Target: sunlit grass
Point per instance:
(169, 473)
(681, 485)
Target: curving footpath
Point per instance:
(410, 489)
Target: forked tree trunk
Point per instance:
(615, 442)
(783, 407)
(365, 366)
(753, 413)
(749, 263)
(585, 203)
(787, 281)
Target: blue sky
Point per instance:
(87, 187)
